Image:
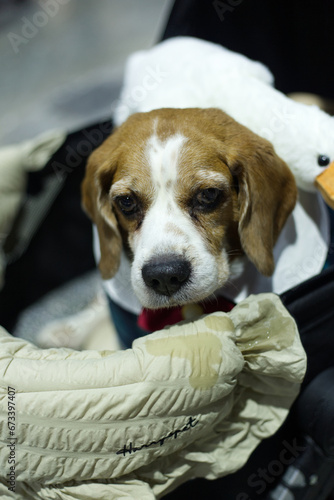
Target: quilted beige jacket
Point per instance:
(193, 400)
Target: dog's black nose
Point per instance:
(166, 275)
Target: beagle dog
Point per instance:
(184, 193)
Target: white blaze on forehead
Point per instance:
(163, 159)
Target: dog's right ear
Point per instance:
(96, 203)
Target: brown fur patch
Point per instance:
(174, 229)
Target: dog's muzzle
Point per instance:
(166, 274)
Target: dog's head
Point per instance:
(184, 191)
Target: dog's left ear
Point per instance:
(96, 203)
(267, 196)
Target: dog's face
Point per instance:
(184, 192)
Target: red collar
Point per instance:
(153, 320)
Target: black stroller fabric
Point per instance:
(294, 38)
(61, 249)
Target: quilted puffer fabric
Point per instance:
(193, 400)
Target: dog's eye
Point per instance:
(128, 204)
(207, 198)
(323, 160)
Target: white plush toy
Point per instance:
(187, 72)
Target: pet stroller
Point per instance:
(298, 461)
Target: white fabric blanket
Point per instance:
(190, 401)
